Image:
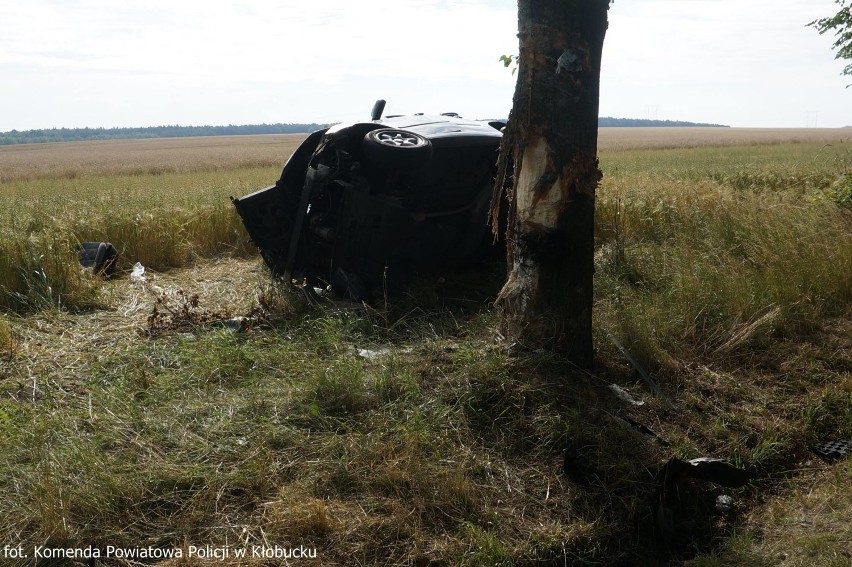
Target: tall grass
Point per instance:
(161, 220)
(7, 339)
(674, 226)
(704, 250)
(40, 271)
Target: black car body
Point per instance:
(363, 203)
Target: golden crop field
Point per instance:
(661, 138)
(141, 157)
(180, 155)
(165, 202)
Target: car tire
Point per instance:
(395, 148)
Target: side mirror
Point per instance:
(378, 108)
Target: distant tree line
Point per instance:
(607, 121)
(88, 134)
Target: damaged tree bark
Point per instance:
(548, 168)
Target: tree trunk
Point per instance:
(549, 169)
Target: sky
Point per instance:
(104, 63)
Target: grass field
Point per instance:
(408, 433)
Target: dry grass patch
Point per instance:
(809, 523)
(70, 344)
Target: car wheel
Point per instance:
(397, 148)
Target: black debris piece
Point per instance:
(100, 256)
(677, 508)
(578, 468)
(833, 450)
(644, 429)
(707, 469)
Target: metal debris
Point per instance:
(624, 395)
(578, 468)
(237, 324)
(833, 450)
(707, 469)
(674, 498)
(629, 422)
(724, 503)
(378, 352)
(641, 371)
(101, 257)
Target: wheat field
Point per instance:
(661, 138)
(180, 155)
(143, 157)
(164, 202)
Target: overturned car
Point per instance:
(362, 204)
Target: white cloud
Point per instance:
(102, 51)
(285, 41)
(739, 62)
(100, 62)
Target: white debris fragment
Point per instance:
(138, 273)
(374, 353)
(624, 395)
(237, 324)
(724, 503)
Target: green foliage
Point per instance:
(510, 61)
(840, 192)
(841, 25)
(485, 548)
